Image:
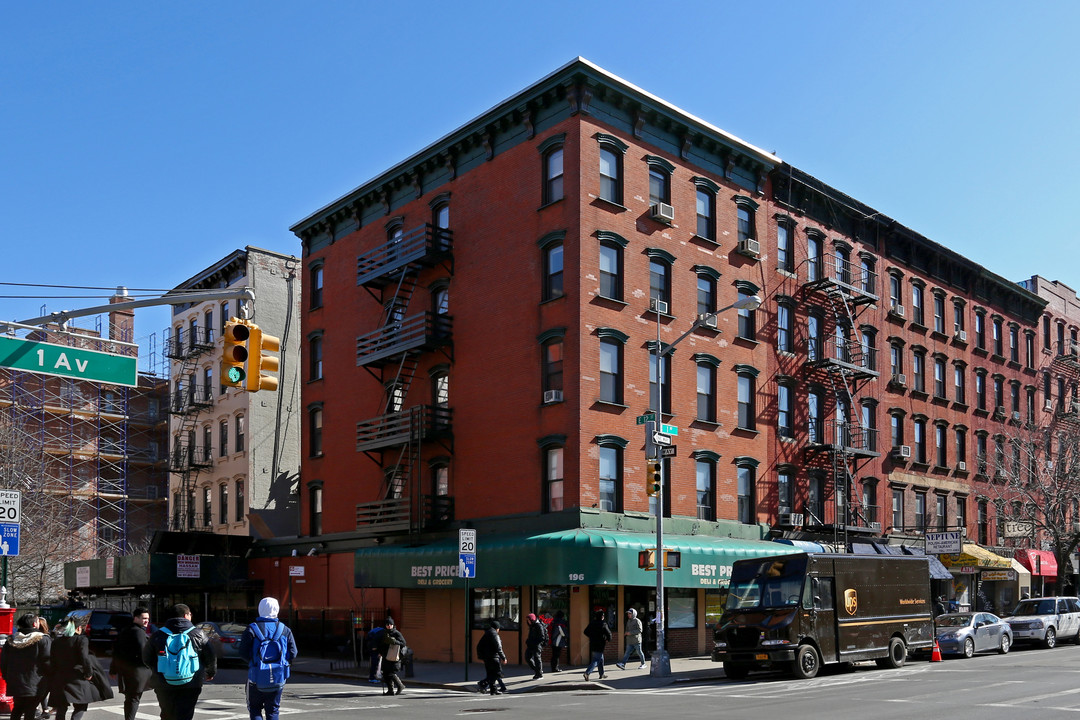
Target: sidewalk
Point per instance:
(518, 678)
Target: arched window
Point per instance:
(315, 424)
(551, 154)
(551, 247)
(611, 472)
(552, 449)
(612, 150)
(705, 475)
(706, 387)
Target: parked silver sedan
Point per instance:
(968, 633)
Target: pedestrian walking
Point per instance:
(939, 606)
(182, 659)
(72, 671)
(598, 633)
(132, 673)
(24, 663)
(269, 648)
(534, 645)
(373, 642)
(43, 686)
(632, 630)
(490, 650)
(560, 638)
(392, 648)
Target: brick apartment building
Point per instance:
(481, 324)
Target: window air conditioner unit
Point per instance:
(662, 212)
(1016, 415)
(1049, 464)
(961, 335)
(1076, 407)
(1048, 405)
(961, 466)
(875, 526)
(551, 396)
(749, 246)
(900, 379)
(790, 519)
(903, 451)
(708, 320)
(898, 310)
(658, 306)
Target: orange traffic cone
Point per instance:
(936, 655)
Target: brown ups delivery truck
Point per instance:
(799, 611)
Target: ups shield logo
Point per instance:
(851, 601)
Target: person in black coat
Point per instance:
(24, 662)
(390, 667)
(132, 673)
(490, 651)
(177, 702)
(599, 634)
(72, 671)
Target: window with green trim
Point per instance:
(706, 214)
(659, 185)
(611, 275)
(553, 175)
(660, 281)
(610, 488)
(705, 469)
(611, 384)
(706, 392)
(746, 400)
(611, 183)
(553, 271)
(746, 474)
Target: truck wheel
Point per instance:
(1051, 638)
(736, 671)
(969, 648)
(807, 662)
(897, 655)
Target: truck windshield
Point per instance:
(767, 584)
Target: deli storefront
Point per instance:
(575, 571)
(983, 580)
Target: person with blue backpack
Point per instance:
(269, 648)
(182, 658)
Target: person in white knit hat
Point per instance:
(269, 648)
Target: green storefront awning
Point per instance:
(567, 557)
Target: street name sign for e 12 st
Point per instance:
(63, 361)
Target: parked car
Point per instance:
(102, 626)
(1046, 620)
(225, 638)
(968, 633)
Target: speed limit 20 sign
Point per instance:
(10, 506)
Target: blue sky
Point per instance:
(144, 141)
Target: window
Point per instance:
(659, 185)
(553, 479)
(1014, 343)
(785, 313)
(239, 503)
(784, 484)
(207, 507)
(920, 511)
(611, 270)
(440, 389)
(869, 349)
(980, 389)
(706, 214)
(999, 340)
(223, 438)
(745, 473)
(917, 312)
(611, 175)
(939, 312)
(315, 509)
(999, 393)
(611, 365)
(939, 378)
(867, 275)
(316, 286)
(440, 215)
(814, 257)
(440, 300)
(747, 317)
(315, 357)
(553, 271)
(896, 428)
(208, 323)
(1046, 331)
(815, 499)
(553, 175)
(813, 337)
(610, 478)
(961, 512)
(980, 453)
(239, 433)
(660, 280)
(897, 510)
(941, 450)
(706, 294)
(958, 316)
(895, 291)
(223, 503)
(502, 604)
(984, 523)
(919, 424)
(705, 468)
(785, 246)
(814, 411)
(918, 370)
(208, 383)
(706, 390)
(315, 423)
(745, 211)
(551, 360)
(869, 423)
(746, 397)
(959, 384)
(785, 410)
(665, 368)
(225, 317)
(980, 329)
(1029, 350)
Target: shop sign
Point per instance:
(992, 575)
(1018, 528)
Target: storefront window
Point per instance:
(549, 600)
(502, 604)
(715, 600)
(606, 599)
(682, 608)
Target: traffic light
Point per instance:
(234, 353)
(646, 559)
(652, 477)
(260, 362)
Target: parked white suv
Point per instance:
(1046, 620)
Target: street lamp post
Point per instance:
(661, 660)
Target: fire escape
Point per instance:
(841, 361)
(187, 399)
(395, 437)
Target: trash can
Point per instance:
(407, 662)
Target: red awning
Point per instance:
(1039, 562)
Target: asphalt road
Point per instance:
(1028, 684)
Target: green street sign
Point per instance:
(642, 419)
(64, 361)
(669, 429)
